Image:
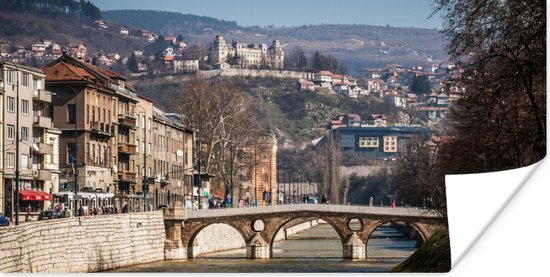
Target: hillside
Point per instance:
(296, 117)
(356, 45)
(24, 28)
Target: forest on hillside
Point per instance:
(53, 8)
(169, 23)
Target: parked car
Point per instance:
(312, 200)
(45, 215)
(4, 221)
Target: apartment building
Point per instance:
(92, 107)
(172, 158)
(28, 142)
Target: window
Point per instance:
(149, 149)
(71, 113)
(10, 162)
(137, 146)
(24, 161)
(10, 132)
(36, 84)
(11, 77)
(25, 134)
(10, 105)
(368, 142)
(25, 80)
(25, 107)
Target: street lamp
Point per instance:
(255, 179)
(74, 158)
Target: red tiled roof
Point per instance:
(66, 72)
(324, 73)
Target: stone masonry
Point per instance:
(86, 244)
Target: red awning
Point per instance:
(34, 195)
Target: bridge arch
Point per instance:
(272, 234)
(403, 226)
(192, 229)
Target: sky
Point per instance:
(289, 13)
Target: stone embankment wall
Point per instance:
(86, 244)
(221, 237)
(232, 72)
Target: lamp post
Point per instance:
(231, 182)
(74, 158)
(255, 179)
(17, 151)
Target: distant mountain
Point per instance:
(169, 22)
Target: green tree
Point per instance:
(421, 85)
(316, 62)
(132, 63)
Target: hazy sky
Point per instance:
(396, 13)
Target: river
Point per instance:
(317, 249)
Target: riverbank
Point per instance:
(433, 256)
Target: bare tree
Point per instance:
(419, 178)
(500, 123)
(217, 111)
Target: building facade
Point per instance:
(172, 159)
(237, 54)
(29, 161)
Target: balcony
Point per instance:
(127, 121)
(42, 122)
(102, 129)
(43, 148)
(127, 176)
(126, 148)
(42, 175)
(42, 96)
(97, 161)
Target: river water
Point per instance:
(317, 249)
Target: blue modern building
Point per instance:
(376, 143)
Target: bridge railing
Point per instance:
(389, 211)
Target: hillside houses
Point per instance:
(326, 81)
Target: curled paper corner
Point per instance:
(475, 201)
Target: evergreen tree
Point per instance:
(421, 85)
(132, 64)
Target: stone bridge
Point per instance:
(259, 225)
